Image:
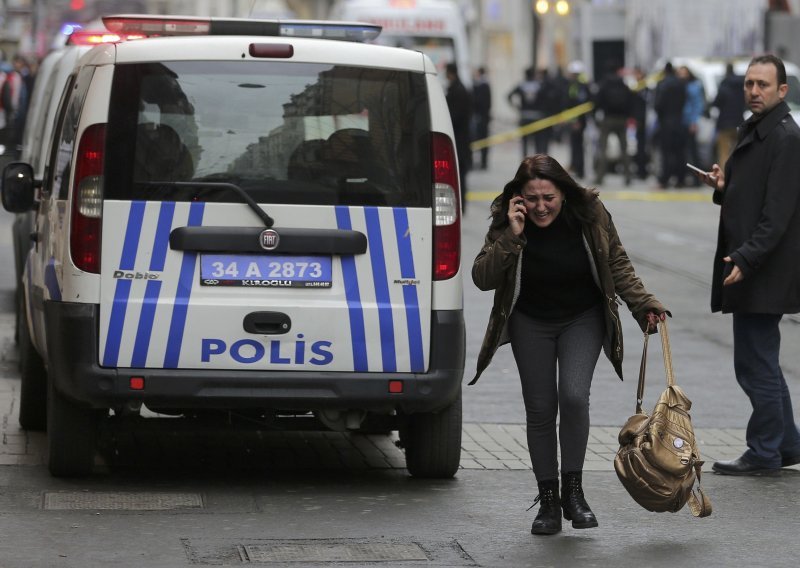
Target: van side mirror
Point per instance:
(18, 187)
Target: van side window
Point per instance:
(69, 113)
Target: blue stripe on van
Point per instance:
(409, 291)
(181, 307)
(378, 259)
(353, 296)
(153, 288)
(123, 289)
(51, 280)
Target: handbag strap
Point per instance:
(642, 368)
(665, 350)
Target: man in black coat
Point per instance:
(459, 102)
(669, 100)
(481, 111)
(756, 269)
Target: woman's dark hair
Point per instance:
(579, 207)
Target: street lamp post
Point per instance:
(543, 13)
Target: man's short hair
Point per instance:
(771, 59)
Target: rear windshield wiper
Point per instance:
(266, 219)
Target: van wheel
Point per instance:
(432, 441)
(33, 379)
(71, 436)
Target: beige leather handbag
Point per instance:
(658, 461)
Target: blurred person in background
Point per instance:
(730, 103)
(523, 98)
(481, 112)
(670, 99)
(693, 110)
(535, 98)
(577, 94)
(459, 103)
(14, 101)
(641, 102)
(613, 105)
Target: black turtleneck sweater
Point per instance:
(556, 282)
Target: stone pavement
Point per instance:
(484, 446)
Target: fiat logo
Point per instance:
(269, 239)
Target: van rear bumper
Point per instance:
(72, 364)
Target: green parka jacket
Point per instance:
(498, 267)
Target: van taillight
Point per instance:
(446, 209)
(87, 200)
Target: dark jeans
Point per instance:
(771, 430)
(672, 151)
(556, 361)
(577, 162)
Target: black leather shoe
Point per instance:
(574, 504)
(789, 461)
(740, 466)
(548, 520)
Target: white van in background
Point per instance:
(435, 27)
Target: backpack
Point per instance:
(658, 461)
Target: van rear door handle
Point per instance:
(267, 323)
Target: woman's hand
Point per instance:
(652, 320)
(517, 214)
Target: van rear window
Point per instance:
(283, 132)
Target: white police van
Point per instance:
(52, 75)
(251, 217)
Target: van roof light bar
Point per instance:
(184, 25)
(96, 37)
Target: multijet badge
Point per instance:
(269, 239)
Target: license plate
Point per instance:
(265, 271)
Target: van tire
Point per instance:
(432, 442)
(33, 377)
(71, 436)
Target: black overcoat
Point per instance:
(759, 226)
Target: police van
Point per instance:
(52, 75)
(251, 217)
(437, 28)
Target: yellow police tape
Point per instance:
(698, 195)
(552, 120)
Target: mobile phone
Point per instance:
(695, 168)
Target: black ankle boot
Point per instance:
(548, 520)
(573, 502)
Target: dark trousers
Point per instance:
(481, 125)
(576, 146)
(771, 430)
(618, 126)
(556, 361)
(641, 149)
(671, 140)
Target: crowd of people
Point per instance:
(656, 126)
(16, 84)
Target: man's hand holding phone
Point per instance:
(713, 179)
